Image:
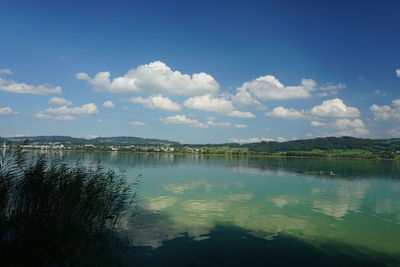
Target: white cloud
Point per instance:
(270, 88)
(350, 127)
(346, 123)
(157, 102)
(91, 136)
(153, 78)
(218, 105)
(43, 116)
(286, 113)
(137, 123)
(250, 140)
(317, 123)
(5, 72)
(331, 89)
(87, 109)
(66, 113)
(182, 119)
(346, 127)
(23, 88)
(218, 124)
(240, 125)
(335, 108)
(108, 104)
(245, 99)
(60, 101)
(281, 139)
(7, 111)
(398, 73)
(386, 112)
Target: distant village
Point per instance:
(91, 147)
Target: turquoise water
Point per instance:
(219, 210)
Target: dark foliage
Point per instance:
(327, 143)
(52, 213)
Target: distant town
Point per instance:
(92, 147)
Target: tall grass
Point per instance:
(53, 213)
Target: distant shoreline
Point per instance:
(356, 157)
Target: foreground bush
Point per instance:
(52, 213)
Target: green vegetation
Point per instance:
(327, 147)
(52, 213)
(225, 150)
(67, 140)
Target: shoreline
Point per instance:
(222, 154)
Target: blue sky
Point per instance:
(200, 71)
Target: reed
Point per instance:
(59, 214)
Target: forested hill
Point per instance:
(323, 143)
(327, 143)
(99, 141)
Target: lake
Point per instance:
(202, 210)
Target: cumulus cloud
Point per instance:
(5, 72)
(153, 78)
(335, 108)
(108, 104)
(346, 123)
(7, 111)
(245, 99)
(398, 73)
(218, 105)
(270, 88)
(137, 123)
(156, 102)
(240, 126)
(286, 113)
(182, 119)
(251, 140)
(346, 127)
(60, 101)
(23, 88)
(218, 124)
(66, 113)
(385, 112)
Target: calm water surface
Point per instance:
(218, 210)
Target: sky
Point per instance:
(200, 71)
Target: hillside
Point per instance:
(327, 143)
(295, 147)
(67, 140)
